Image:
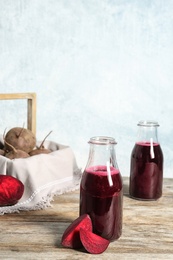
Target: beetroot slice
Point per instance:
(11, 190)
(93, 243)
(71, 237)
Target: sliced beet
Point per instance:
(11, 190)
(71, 237)
(93, 243)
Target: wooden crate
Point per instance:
(31, 107)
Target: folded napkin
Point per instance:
(43, 176)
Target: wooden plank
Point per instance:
(31, 114)
(31, 106)
(147, 230)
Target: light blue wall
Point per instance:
(97, 66)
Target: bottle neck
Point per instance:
(100, 155)
(147, 134)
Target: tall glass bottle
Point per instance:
(146, 170)
(101, 192)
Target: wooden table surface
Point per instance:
(147, 230)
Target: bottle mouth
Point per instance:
(148, 123)
(104, 140)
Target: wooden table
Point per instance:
(147, 230)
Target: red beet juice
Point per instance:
(146, 173)
(101, 197)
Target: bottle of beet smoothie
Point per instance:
(146, 169)
(101, 192)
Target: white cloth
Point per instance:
(43, 176)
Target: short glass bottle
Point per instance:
(101, 189)
(146, 168)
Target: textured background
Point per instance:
(97, 66)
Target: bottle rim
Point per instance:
(104, 140)
(148, 123)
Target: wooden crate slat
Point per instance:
(31, 106)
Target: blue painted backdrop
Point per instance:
(97, 66)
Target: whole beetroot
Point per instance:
(15, 153)
(41, 149)
(11, 190)
(20, 138)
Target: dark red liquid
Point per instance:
(146, 173)
(102, 201)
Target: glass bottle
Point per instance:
(146, 169)
(101, 191)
